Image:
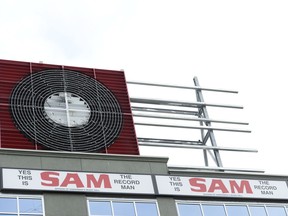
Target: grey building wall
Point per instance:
(75, 204)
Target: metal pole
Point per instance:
(184, 87)
(211, 133)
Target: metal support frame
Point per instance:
(179, 111)
(204, 112)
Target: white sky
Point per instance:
(238, 45)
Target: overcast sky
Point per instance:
(237, 45)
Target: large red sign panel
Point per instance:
(65, 108)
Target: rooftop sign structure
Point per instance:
(65, 108)
(181, 112)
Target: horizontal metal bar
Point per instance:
(64, 109)
(189, 169)
(157, 110)
(189, 119)
(182, 104)
(184, 87)
(195, 127)
(197, 147)
(171, 141)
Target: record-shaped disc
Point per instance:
(66, 110)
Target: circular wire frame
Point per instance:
(27, 105)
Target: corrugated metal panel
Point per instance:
(14, 72)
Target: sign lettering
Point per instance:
(222, 187)
(44, 180)
(76, 181)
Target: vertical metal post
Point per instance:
(66, 109)
(204, 143)
(200, 98)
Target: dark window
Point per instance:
(100, 208)
(276, 211)
(29, 205)
(257, 211)
(21, 206)
(8, 205)
(189, 209)
(237, 210)
(144, 209)
(212, 210)
(122, 208)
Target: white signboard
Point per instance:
(198, 186)
(26, 179)
(47, 180)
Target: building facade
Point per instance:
(68, 147)
(51, 183)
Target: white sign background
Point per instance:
(174, 185)
(45, 180)
(24, 179)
